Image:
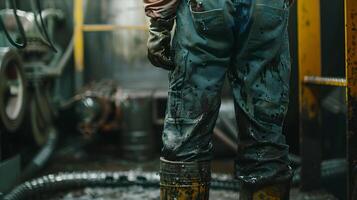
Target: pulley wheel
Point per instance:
(13, 90)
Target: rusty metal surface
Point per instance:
(309, 43)
(351, 72)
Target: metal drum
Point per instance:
(137, 138)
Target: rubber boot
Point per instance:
(279, 191)
(184, 180)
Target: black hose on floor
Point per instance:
(40, 109)
(75, 180)
(42, 157)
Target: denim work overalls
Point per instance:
(247, 40)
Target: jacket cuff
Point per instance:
(163, 9)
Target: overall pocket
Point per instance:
(269, 23)
(209, 22)
(212, 39)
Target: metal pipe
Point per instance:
(78, 43)
(326, 81)
(57, 70)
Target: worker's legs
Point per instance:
(202, 48)
(260, 80)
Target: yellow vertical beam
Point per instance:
(351, 45)
(309, 50)
(78, 42)
(351, 97)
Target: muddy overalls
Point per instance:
(246, 41)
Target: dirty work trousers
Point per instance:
(246, 41)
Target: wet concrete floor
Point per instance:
(105, 159)
(97, 158)
(130, 193)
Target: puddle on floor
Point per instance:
(130, 193)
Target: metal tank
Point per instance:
(137, 136)
(120, 55)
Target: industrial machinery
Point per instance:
(28, 68)
(96, 108)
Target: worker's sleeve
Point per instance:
(163, 9)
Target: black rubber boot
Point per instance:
(184, 180)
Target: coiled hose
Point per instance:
(74, 180)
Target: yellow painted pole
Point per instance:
(309, 49)
(351, 95)
(109, 27)
(78, 43)
(351, 45)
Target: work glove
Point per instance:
(159, 43)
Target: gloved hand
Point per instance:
(159, 43)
